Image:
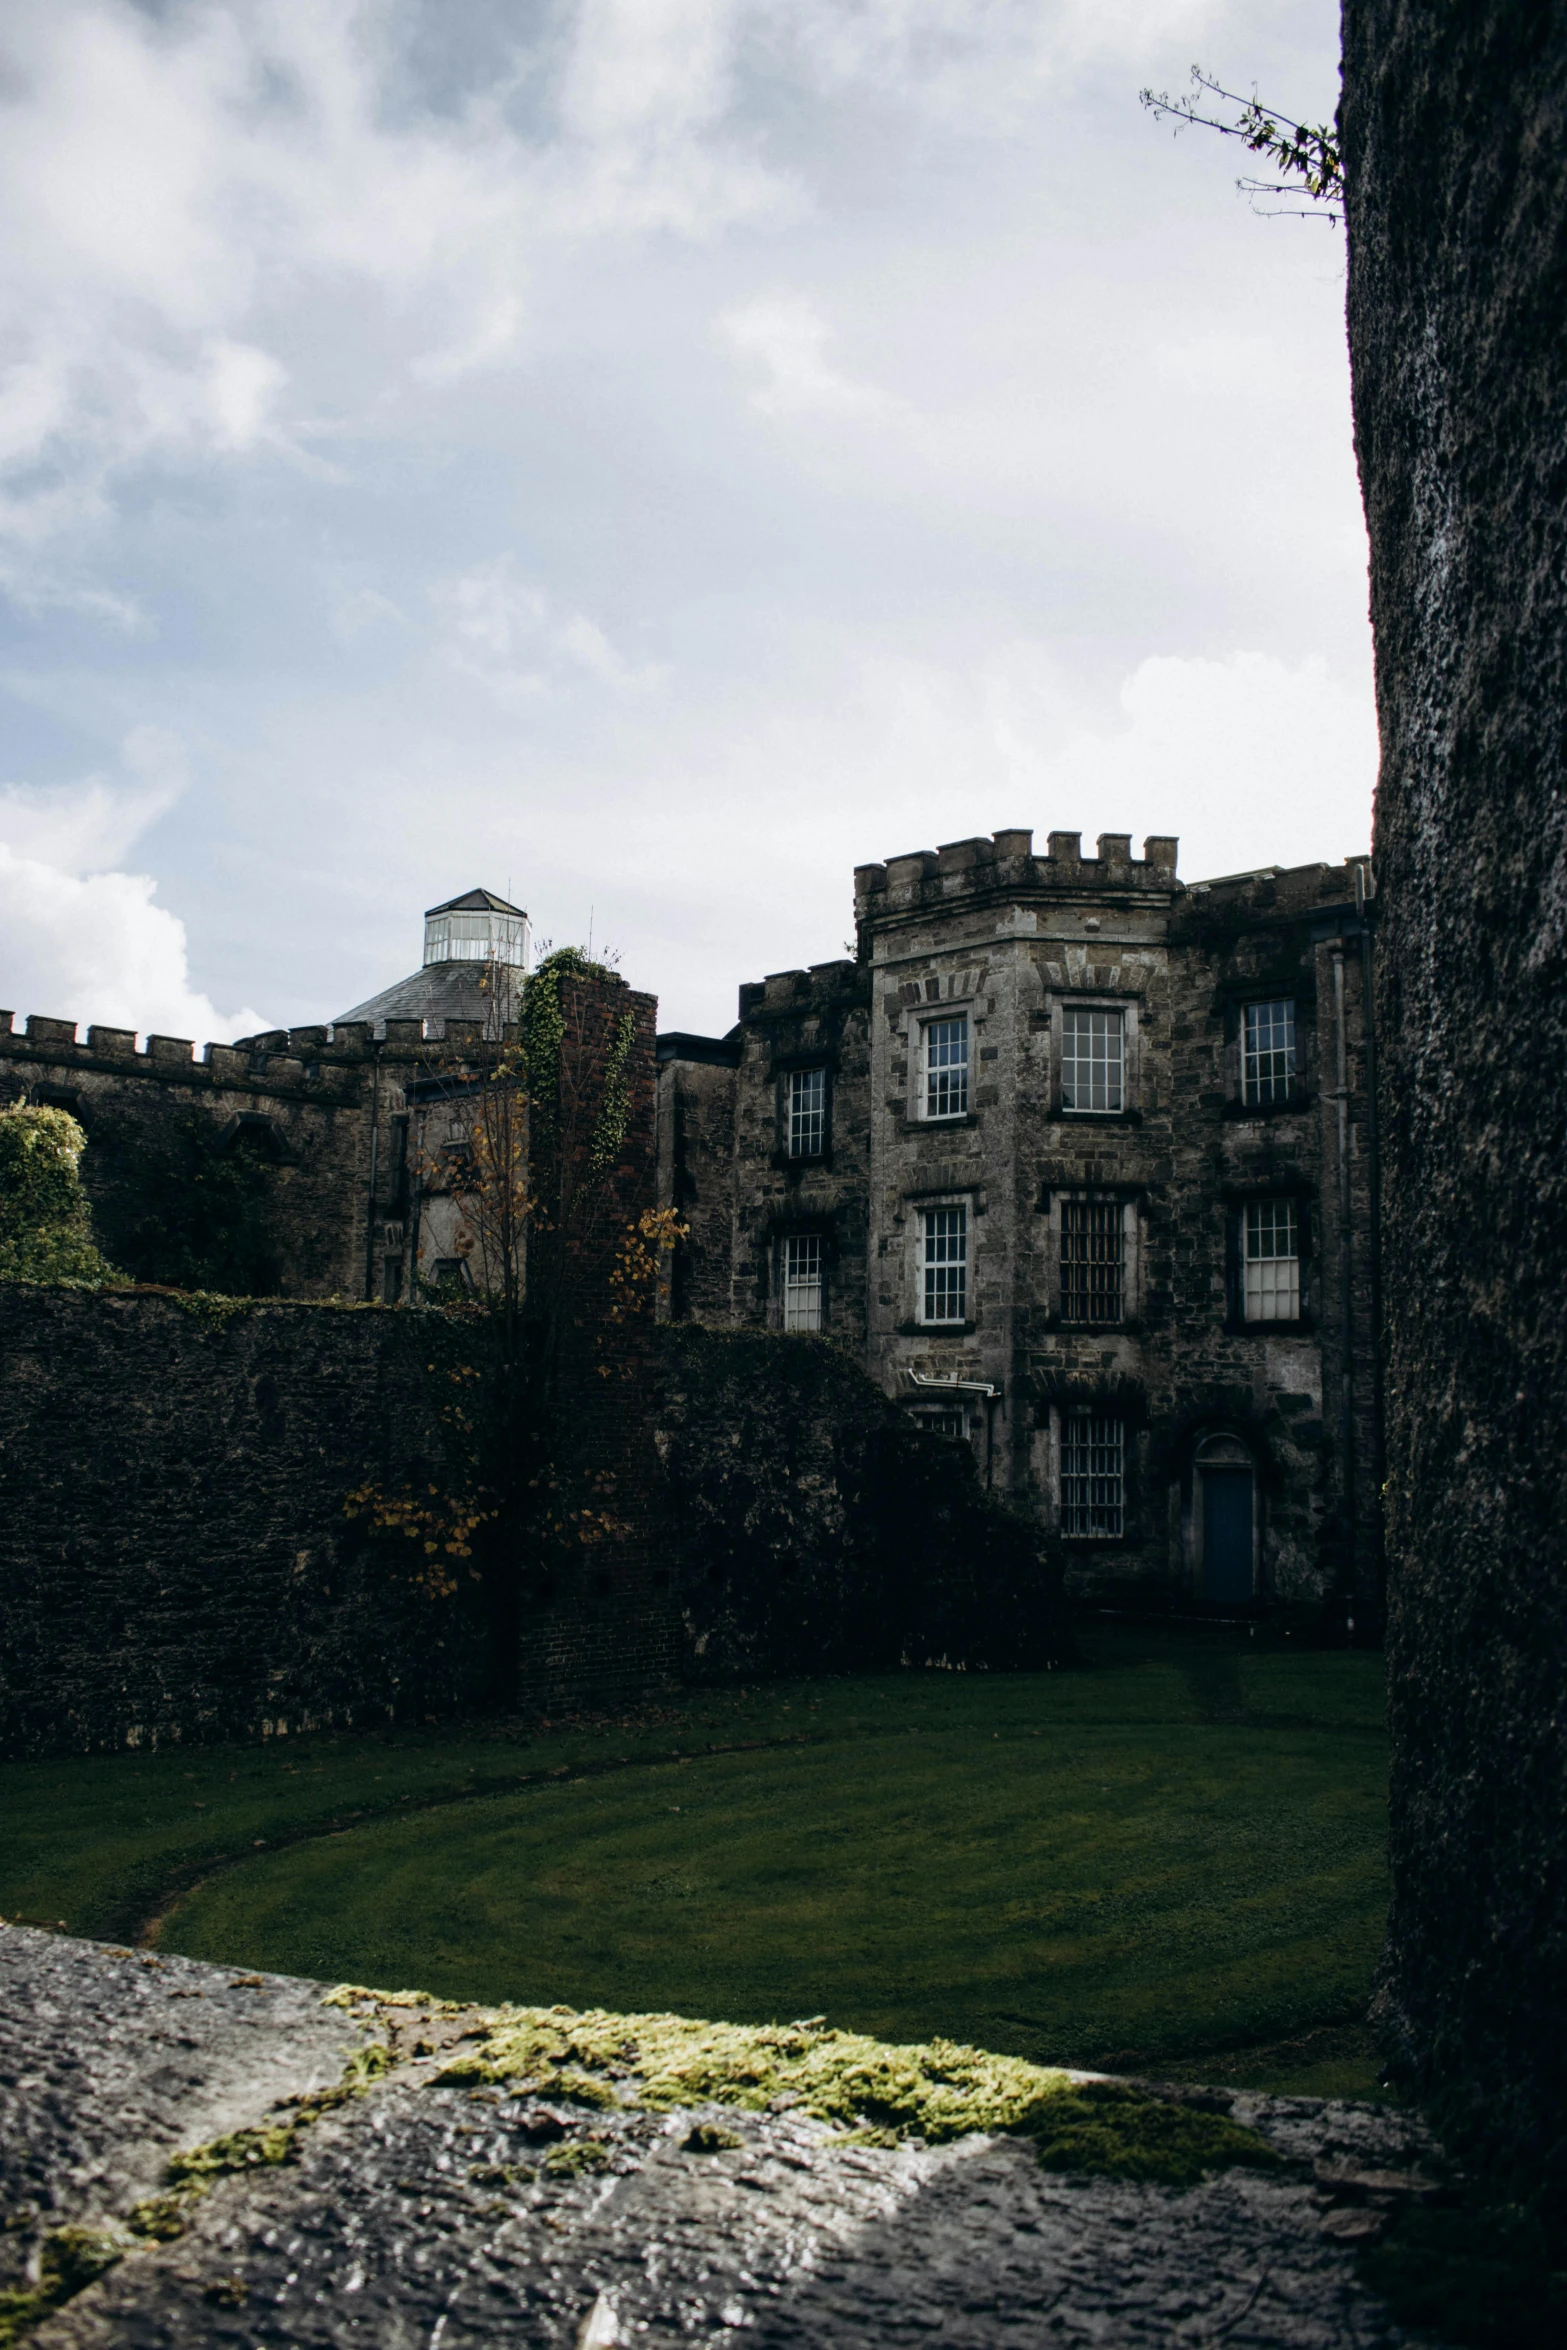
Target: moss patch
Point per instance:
(937, 2092)
(193, 2174)
(71, 2259)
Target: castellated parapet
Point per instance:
(984, 867)
(1079, 1159)
(279, 1165)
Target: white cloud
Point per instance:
(506, 634)
(81, 940)
(184, 189)
(784, 337)
(1258, 761)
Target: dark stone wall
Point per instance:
(802, 1019)
(696, 1140)
(814, 1529)
(1455, 128)
(247, 1171)
(176, 1560)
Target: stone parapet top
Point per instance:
(316, 1060)
(821, 987)
(928, 877)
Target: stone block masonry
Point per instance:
(176, 1561)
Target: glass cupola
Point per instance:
(477, 928)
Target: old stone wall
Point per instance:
(176, 1559)
(1455, 131)
(814, 1529)
(696, 1145)
(279, 1167)
(801, 1021)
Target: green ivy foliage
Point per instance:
(45, 1223)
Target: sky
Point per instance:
(645, 457)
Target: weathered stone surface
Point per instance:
(176, 1555)
(1455, 132)
(112, 2060)
(417, 2214)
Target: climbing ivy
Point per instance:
(45, 1223)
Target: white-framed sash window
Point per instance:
(1270, 1249)
(944, 1264)
(807, 1111)
(802, 1281)
(1267, 1052)
(945, 1047)
(1093, 1058)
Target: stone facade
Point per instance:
(1012, 1158)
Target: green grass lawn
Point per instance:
(1171, 1858)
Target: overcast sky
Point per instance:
(649, 456)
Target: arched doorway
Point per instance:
(1226, 1500)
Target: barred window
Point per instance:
(1093, 1260)
(1272, 1261)
(1093, 1474)
(944, 1268)
(946, 1068)
(1093, 1060)
(807, 1112)
(951, 1422)
(1267, 1052)
(802, 1281)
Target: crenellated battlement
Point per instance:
(317, 1062)
(1283, 889)
(822, 987)
(1006, 863)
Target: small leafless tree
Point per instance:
(1308, 154)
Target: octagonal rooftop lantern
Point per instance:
(478, 927)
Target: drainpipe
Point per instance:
(1365, 898)
(375, 1151)
(1346, 1289)
(992, 1396)
(414, 1209)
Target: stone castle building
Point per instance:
(1079, 1162)
(1076, 1160)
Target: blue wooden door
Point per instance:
(1226, 1534)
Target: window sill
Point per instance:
(936, 1329)
(797, 1162)
(1096, 1117)
(916, 1125)
(1246, 1111)
(1303, 1326)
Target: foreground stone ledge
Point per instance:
(347, 2196)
